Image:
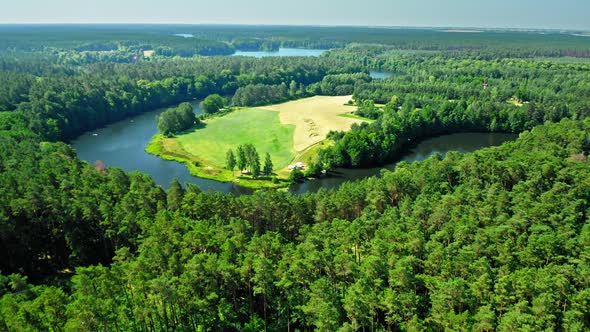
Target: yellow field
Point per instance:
(314, 118)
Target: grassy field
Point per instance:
(356, 117)
(290, 132)
(258, 127)
(314, 118)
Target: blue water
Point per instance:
(122, 145)
(281, 52)
(380, 74)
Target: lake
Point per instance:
(122, 145)
(281, 52)
(380, 74)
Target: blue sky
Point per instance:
(561, 14)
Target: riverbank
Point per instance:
(170, 149)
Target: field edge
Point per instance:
(169, 149)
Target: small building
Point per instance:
(485, 86)
(298, 165)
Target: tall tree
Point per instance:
(293, 89)
(255, 164)
(241, 162)
(230, 160)
(175, 195)
(268, 166)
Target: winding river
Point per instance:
(122, 145)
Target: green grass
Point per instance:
(352, 116)
(211, 141)
(169, 149)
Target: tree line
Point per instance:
(72, 99)
(264, 94)
(435, 96)
(247, 159)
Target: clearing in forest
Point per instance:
(314, 118)
(260, 128)
(290, 132)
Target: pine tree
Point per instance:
(293, 89)
(230, 160)
(175, 195)
(268, 166)
(241, 162)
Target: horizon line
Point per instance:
(302, 25)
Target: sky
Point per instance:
(546, 14)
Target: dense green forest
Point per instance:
(88, 43)
(70, 99)
(498, 239)
(429, 95)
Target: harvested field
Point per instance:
(314, 118)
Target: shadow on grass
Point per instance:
(269, 178)
(196, 127)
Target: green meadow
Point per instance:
(261, 128)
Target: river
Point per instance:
(461, 142)
(122, 145)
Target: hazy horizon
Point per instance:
(288, 25)
(500, 14)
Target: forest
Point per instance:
(439, 95)
(498, 239)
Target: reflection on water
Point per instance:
(122, 145)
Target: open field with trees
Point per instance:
(284, 131)
(261, 128)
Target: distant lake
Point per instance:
(122, 145)
(380, 74)
(185, 35)
(281, 52)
